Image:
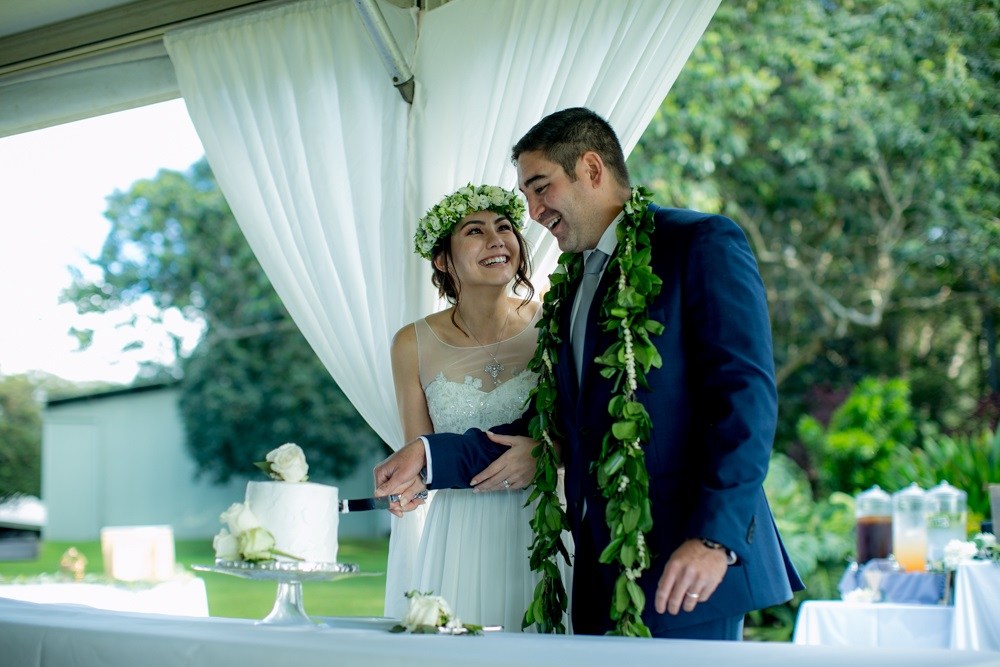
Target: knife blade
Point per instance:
(348, 505)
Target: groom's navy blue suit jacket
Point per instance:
(713, 404)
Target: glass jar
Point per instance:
(909, 528)
(946, 516)
(873, 525)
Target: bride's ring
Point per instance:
(506, 484)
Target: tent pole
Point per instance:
(385, 44)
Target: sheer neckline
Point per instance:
(530, 325)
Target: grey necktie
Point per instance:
(585, 296)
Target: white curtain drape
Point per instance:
(327, 169)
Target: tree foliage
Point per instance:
(20, 437)
(253, 382)
(858, 145)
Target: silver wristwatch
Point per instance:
(730, 554)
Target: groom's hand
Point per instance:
(400, 475)
(690, 576)
(515, 469)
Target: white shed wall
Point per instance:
(121, 460)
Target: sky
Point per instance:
(53, 185)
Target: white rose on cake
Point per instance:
(225, 545)
(286, 463)
(239, 518)
(244, 538)
(256, 544)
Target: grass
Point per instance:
(233, 597)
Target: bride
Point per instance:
(465, 367)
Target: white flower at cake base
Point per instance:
(244, 538)
(238, 518)
(256, 544)
(431, 614)
(286, 464)
(226, 546)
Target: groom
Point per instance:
(716, 552)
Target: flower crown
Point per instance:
(440, 221)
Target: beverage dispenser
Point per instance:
(909, 528)
(873, 525)
(946, 517)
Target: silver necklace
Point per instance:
(494, 369)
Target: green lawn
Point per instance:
(240, 598)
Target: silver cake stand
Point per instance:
(288, 608)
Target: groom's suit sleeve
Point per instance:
(733, 364)
(457, 457)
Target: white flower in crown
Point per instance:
(441, 219)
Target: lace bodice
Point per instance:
(461, 394)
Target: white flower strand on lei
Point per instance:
(620, 468)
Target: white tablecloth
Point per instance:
(183, 596)
(34, 635)
(972, 624)
(882, 624)
(977, 607)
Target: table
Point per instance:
(973, 623)
(33, 635)
(879, 624)
(181, 596)
(977, 607)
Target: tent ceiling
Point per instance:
(64, 60)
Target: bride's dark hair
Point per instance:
(450, 287)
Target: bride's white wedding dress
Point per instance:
(474, 547)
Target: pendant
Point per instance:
(494, 370)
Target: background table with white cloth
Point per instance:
(33, 635)
(977, 607)
(181, 596)
(973, 623)
(873, 624)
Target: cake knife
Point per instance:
(378, 503)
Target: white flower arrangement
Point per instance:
(983, 546)
(244, 538)
(440, 221)
(286, 464)
(431, 614)
(861, 595)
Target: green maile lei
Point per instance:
(621, 470)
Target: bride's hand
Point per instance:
(515, 469)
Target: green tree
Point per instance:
(858, 145)
(20, 437)
(253, 382)
(856, 450)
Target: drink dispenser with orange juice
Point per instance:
(909, 528)
(873, 525)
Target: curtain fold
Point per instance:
(327, 170)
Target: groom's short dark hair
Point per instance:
(564, 136)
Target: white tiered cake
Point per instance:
(289, 519)
(302, 516)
